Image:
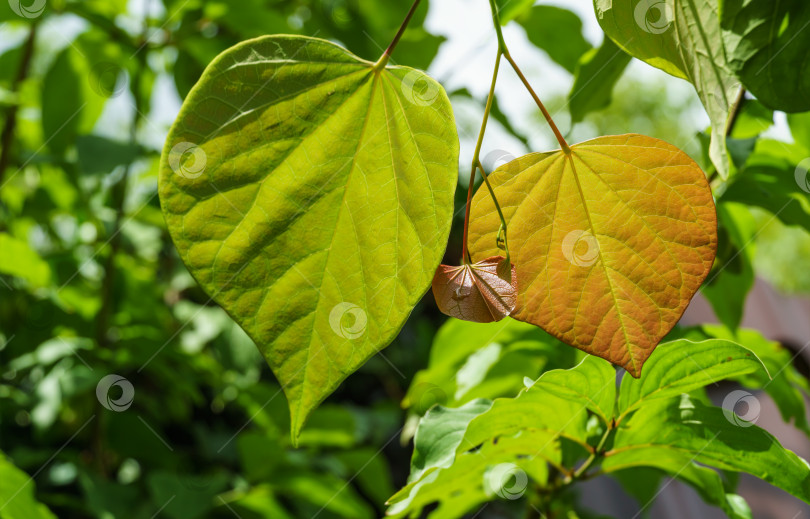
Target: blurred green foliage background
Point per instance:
(91, 286)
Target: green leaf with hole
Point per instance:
(766, 44)
(310, 193)
(683, 38)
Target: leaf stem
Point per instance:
(592, 458)
(383, 61)
(476, 164)
(503, 49)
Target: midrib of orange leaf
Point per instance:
(668, 206)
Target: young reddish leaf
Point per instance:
(483, 292)
(611, 241)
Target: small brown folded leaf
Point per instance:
(483, 292)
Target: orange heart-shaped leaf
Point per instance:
(610, 240)
(483, 292)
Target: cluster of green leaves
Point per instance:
(574, 424)
(91, 285)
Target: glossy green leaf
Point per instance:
(597, 72)
(783, 381)
(766, 44)
(591, 383)
(546, 26)
(17, 494)
(684, 430)
(681, 366)
(311, 195)
(683, 38)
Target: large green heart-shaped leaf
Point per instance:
(766, 43)
(610, 241)
(310, 193)
(683, 38)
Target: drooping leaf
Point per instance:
(311, 194)
(547, 26)
(482, 292)
(683, 430)
(766, 44)
(610, 242)
(683, 38)
(681, 366)
(596, 74)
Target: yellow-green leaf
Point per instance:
(310, 193)
(609, 241)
